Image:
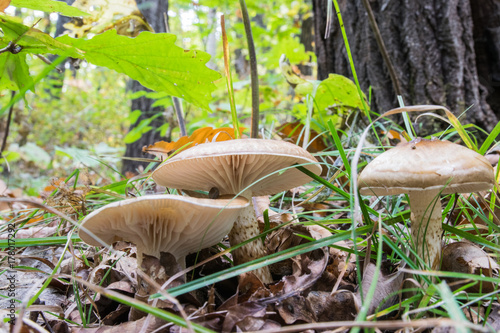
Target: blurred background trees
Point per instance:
(443, 52)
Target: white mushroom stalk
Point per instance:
(250, 165)
(424, 169)
(163, 223)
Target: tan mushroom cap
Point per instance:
(163, 223)
(231, 166)
(426, 165)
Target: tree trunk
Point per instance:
(431, 45)
(153, 11)
(55, 77)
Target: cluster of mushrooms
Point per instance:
(236, 170)
(241, 169)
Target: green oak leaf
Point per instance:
(14, 72)
(33, 40)
(155, 61)
(49, 6)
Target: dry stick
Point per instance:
(383, 50)
(176, 100)
(254, 79)
(7, 127)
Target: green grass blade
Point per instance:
(270, 259)
(495, 133)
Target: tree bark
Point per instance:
(153, 11)
(431, 45)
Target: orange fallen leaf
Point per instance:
(293, 131)
(4, 4)
(54, 184)
(202, 135)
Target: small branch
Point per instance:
(47, 61)
(7, 127)
(176, 100)
(12, 47)
(180, 116)
(383, 49)
(254, 78)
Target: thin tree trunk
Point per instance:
(432, 48)
(153, 11)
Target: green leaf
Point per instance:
(49, 6)
(14, 72)
(155, 61)
(337, 90)
(33, 40)
(335, 97)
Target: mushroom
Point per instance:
(163, 223)
(255, 166)
(425, 169)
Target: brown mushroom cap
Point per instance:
(426, 165)
(231, 166)
(163, 223)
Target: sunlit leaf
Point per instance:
(32, 40)
(14, 72)
(335, 98)
(155, 61)
(49, 6)
(200, 136)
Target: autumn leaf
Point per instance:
(293, 132)
(202, 135)
(4, 4)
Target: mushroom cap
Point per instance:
(422, 164)
(232, 166)
(163, 223)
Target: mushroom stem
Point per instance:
(426, 226)
(244, 228)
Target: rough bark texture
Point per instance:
(307, 39)
(486, 18)
(153, 11)
(431, 44)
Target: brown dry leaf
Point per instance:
(462, 257)
(494, 317)
(35, 232)
(338, 263)
(327, 307)
(244, 317)
(293, 309)
(387, 284)
(292, 132)
(4, 4)
(251, 288)
(202, 135)
(126, 327)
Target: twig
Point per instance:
(254, 78)
(176, 100)
(180, 116)
(7, 127)
(12, 47)
(47, 61)
(383, 50)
